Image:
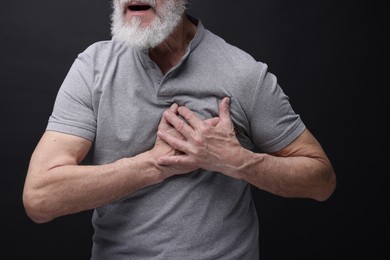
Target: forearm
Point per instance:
(292, 177)
(299, 170)
(69, 189)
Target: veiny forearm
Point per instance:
(292, 177)
(69, 189)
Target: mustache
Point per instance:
(124, 3)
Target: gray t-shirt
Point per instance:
(115, 96)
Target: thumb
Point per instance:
(224, 109)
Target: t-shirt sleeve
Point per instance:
(73, 111)
(274, 123)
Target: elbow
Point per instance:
(35, 207)
(327, 188)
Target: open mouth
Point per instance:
(138, 7)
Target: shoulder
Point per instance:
(229, 61)
(230, 55)
(224, 49)
(102, 50)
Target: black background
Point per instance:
(329, 57)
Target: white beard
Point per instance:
(135, 36)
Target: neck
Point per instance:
(169, 53)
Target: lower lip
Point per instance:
(138, 12)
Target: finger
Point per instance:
(173, 108)
(164, 124)
(194, 121)
(212, 121)
(179, 124)
(175, 142)
(176, 160)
